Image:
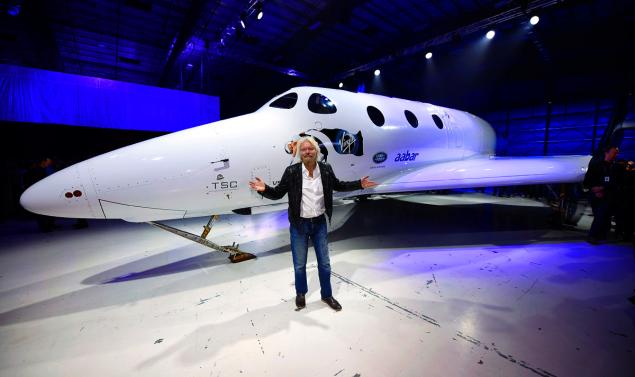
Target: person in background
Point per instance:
(600, 181)
(625, 201)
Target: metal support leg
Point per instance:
(235, 254)
(209, 226)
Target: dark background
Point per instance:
(548, 89)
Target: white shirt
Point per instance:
(312, 204)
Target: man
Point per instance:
(625, 200)
(310, 186)
(599, 179)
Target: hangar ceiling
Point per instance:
(200, 45)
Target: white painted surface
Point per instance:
(206, 170)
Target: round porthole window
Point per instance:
(437, 121)
(375, 116)
(320, 104)
(411, 118)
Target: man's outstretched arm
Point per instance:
(273, 193)
(352, 185)
(367, 183)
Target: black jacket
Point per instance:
(291, 183)
(600, 173)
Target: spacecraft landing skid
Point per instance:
(235, 254)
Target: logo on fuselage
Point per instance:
(226, 185)
(407, 156)
(380, 157)
(342, 141)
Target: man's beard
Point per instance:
(308, 159)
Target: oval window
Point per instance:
(320, 104)
(437, 121)
(375, 116)
(287, 101)
(412, 119)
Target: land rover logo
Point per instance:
(380, 157)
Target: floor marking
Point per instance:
(387, 300)
(472, 340)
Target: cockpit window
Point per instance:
(320, 104)
(437, 121)
(285, 102)
(376, 116)
(411, 118)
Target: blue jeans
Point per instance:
(315, 229)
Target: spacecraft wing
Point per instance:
(486, 172)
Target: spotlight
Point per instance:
(534, 20)
(377, 72)
(490, 34)
(340, 85)
(258, 9)
(429, 55)
(243, 17)
(14, 10)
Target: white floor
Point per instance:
(430, 285)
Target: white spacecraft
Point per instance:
(403, 145)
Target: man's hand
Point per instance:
(367, 183)
(257, 185)
(598, 191)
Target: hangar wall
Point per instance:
(46, 97)
(558, 128)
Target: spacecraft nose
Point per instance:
(60, 195)
(34, 200)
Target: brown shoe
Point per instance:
(330, 301)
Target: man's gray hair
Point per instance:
(311, 140)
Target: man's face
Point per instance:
(46, 163)
(308, 154)
(611, 154)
